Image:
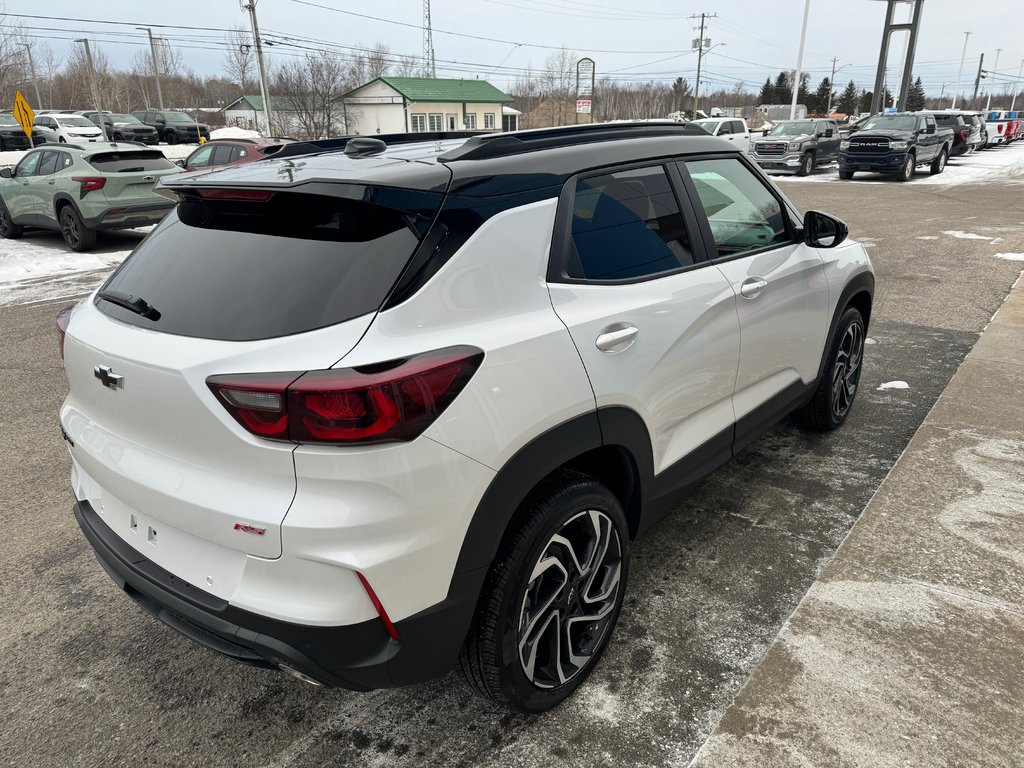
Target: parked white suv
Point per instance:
(60, 128)
(361, 414)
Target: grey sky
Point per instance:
(648, 37)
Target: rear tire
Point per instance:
(939, 163)
(78, 236)
(806, 164)
(845, 175)
(8, 229)
(837, 388)
(542, 621)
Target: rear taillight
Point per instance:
(387, 402)
(90, 183)
(999, 127)
(63, 318)
(964, 133)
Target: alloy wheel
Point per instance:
(69, 228)
(570, 599)
(846, 371)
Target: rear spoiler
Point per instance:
(391, 139)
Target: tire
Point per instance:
(939, 163)
(845, 175)
(837, 388)
(565, 518)
(2, 147)
(171, 137)
(906, 172)
(78, 236)
(8, 229)
(117, 137)
(61, 140)
(806, 164)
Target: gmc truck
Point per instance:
(798, 146)
(896, 144)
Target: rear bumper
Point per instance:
(358, 657)
(126, 217)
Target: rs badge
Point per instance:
(246, 528)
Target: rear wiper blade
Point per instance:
(134, 304)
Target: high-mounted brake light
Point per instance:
(393, 401)
(90, 183)
(63, 318)
(250, 195)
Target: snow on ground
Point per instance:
(894, 385)
(233, 132)
(1010, 256)
(1004, 164)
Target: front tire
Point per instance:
(838, 385)
(61, 140)
(552, 597)
(78, 236)
(806, 164)
(906, 172)
(939, 163)
(845, 175)
(171, 137)
(8, 229)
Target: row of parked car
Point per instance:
(82, 187)
(66, 126)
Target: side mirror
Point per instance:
(854, 128)
(829, 133)
(765, 132)
(6, 173)
(180, 163)
(824, 231)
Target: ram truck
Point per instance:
(896, 144)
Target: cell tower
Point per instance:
(428, 42)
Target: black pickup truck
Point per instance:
(896, 144)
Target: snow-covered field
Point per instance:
(1004, 164)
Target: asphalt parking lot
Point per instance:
(87, 679)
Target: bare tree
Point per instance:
(408, 66)
(14, 72)
(378, 61)
(311, 88)
(240, 59)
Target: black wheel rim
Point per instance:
(570, 600)
(846, 371)
(69, 227)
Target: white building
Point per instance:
(417, 104)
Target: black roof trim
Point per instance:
(391, 139)
(505, 144)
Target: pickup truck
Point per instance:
(896, 144)
(798, 146)
(729, 128)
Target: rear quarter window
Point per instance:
(125, 162)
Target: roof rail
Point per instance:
(504, 144)
(391, 139)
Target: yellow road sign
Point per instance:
(23, 113)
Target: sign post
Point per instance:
(584, 87)
(24, 115)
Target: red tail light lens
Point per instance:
(250, 195)
(388, 402)
(63, 318)
(90, 183)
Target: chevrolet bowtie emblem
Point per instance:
(107, 377)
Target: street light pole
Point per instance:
(799, 61)
(988, 88)
(1016, 90)
(92, 84)
(156, 66)
(250, 6)
(32, 71)
(963, 57)
(832, 83)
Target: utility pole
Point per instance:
(963, 56)
(32, 71)
(1016, 89)
(799, 61)
(988, 89)
(977, 80)
(250, 6)
(700, 44)
(156, 66)
(92, 85)
(429, 63)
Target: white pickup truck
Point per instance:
(732, 129)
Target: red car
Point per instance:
(220, 152)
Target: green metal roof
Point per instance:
(255, 103)
(426, 89)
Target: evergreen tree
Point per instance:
(767, 92)
(682, 95)
(818, 102)
(783, 88)
(916, 97)
(864, 105)
(848, 99)
(803, 92)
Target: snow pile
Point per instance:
(894, 385)
(1010, 256)
(233, 132)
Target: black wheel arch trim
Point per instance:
(861, 283)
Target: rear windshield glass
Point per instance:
(948, 119)
(127, 162)
(241, 271)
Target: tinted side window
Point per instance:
(201, 157)
(724, 129)
(63, 160)
(27, 167)
(742, 213)
(48, 164)
(125, 162)
(221, 154)
(737, 127)
(627, 225)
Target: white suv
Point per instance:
(60, 128)
(360, 414)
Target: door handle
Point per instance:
(52, 181)
(752, 287)
(614, 339)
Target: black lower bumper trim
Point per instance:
(358, 656)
